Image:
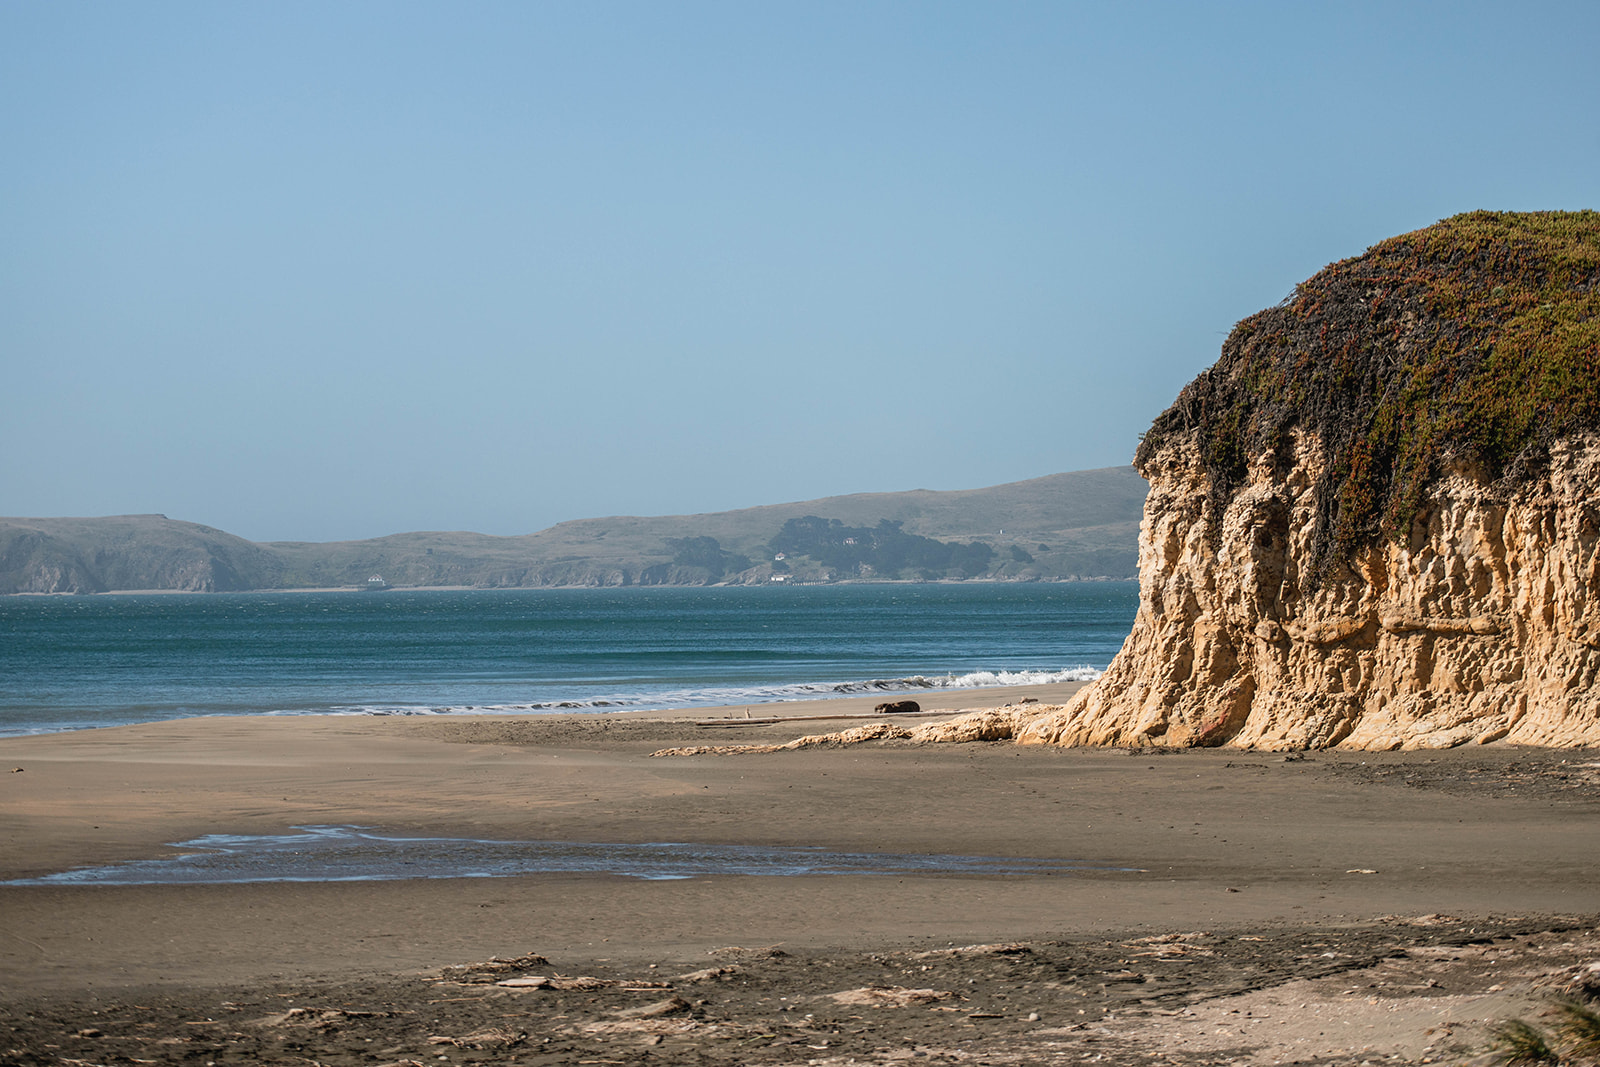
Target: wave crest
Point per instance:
(710, 697)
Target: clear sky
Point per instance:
(318, 271)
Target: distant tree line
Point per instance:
(706, 553)
(884, 550)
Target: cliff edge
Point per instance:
(1374, 523)
(95, 555)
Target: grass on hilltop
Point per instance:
(1473, 341)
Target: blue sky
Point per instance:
(327, 271)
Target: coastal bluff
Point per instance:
(1374, 523)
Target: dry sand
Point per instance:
(1318, 897)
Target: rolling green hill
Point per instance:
(1077, 525)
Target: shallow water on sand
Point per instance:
(357, 854)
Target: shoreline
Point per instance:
(1253, 849)
(1071, 579)
(950, 700)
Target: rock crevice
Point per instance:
(1482, 625)
(1375, 522)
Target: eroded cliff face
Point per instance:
(1374, 522)
(1483, 625)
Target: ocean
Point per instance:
(78, 662)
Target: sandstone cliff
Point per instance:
(1375, 522)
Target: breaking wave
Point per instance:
(728, 695)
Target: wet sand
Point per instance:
(1265, 856)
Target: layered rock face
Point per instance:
(1485, 626)
(1292, 598)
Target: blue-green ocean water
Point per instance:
(77, 662)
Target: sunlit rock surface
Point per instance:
(1484, 626)
(1374, 523)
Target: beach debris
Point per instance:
(580, 982)
(773, 720)
(319, 1018)
(653, 1030)
(489, 1037)
(673, 1005)
(1361, 870)
(1169, 939)
(1000, 948)
(876, 732)
(1170, 946)
(770, 952)
(898, 707)
(717, 750)
(988, 724)
(888, 996)
(17, 770)
(709, 974)
(492, 969)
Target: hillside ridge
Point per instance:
(1079, 524)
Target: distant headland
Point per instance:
(1073, 526)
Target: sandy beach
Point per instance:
(1424, 889)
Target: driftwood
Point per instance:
(812, 718)
(889, 996)
(581, 982)
(992, 724)
(492, 969)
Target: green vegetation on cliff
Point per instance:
(1474, 341)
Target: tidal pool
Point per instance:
(358, 854)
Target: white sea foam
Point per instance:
(728, 695)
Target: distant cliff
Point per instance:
(1077, 525)
(129, 552)
(1375, 522)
